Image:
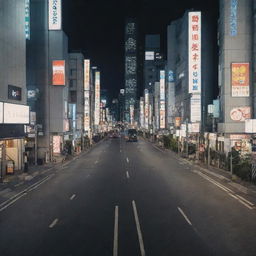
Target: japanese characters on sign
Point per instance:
(54, 14)
(233, 17)
(97, 99)
(87, 95)
(240, 79)
(27, 19)
(58, 72)
(141, 112)
(162, 99)
(195, 108)
(146, 108)
(194, 52)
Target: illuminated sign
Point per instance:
(16, 114)
(240, 80)
(131, 114)
(233, 17)
(149, 55)
(56, 142)
(142, 112)
(194, 52)
(87, 119)
(55, 13)
(27, 19)
(195, 108)
(97, 99)
(58, 72)
(146, 108)
(162, 99)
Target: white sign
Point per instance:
(55, 12)
(141, 113)
(97, 99)
(16, 114)
(250, 126)
(162, 99)
(146, 108)
(149, 55)
(86, 74)
(195, 108)
(1, 112)
(194, 52)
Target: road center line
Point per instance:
(127, 159)
(142, 250)
(185, 217)
(53, 223)
(72, 197)
(115, 245)
(127, 175)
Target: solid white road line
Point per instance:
(185, 217)
(142, 250)
(39, 184)
(127, 159)
(13, 201)
(127, 175)
(53, 223)
(230, 192)
(72, 197)
(115, 245)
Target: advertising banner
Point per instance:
(87, 74)
(131, 114)
(194, 52)
(195, 108)
(240, 114)
(97, 99)
(162, 99)
(55, 13)
(250, 126)
(56, 142)
(16, 114)
(27, 19)
(146, 108)
(141, 112)
(58, 72)
(177, 122)
(240, 81)
(149, 55)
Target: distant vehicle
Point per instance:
(132, 135)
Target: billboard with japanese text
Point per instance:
(194, 51)
(240, 81)
(58, 72)
(97, 99)
(55, 13)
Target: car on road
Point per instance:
(132, 135)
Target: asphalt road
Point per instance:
(127, 199)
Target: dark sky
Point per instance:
(96, 27)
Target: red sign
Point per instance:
(58, 72)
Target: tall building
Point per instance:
(190, 68)
(47, 77)
(14, 112)
(76, 98)
(130, 65)
(235, 65)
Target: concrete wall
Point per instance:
(12, 48)
(233, 49)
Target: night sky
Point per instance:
(96, 27)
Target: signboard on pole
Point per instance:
(97, 99)
(162, 99)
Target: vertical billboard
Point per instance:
(194, 52)
(195, 108)
(58, 72)
(162, 99)
(54, 14)
(87, 120)
(240, 81)
(97, 99)
(132, 114)
(233, 17)
(27, 19)
(56, 144)
(141, 112)
(146, 108)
